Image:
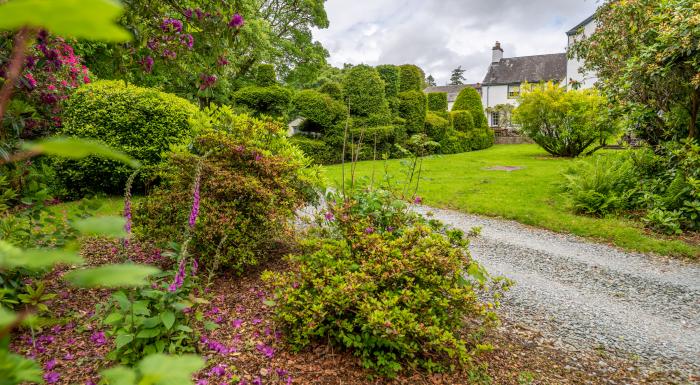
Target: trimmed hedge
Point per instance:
(273, 100)
(437, 101)
(266, 75)
(316, 149)
(462, 121)
(364, 91)
(141, 122)
(319, 109)
(390, 74)
(411, 78)
(332, 89)
(470, 100)
(436, 127)
(412, 107)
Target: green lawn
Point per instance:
(530, 196)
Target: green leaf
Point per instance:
(119, 375)
(123, 339)
(109, 226)
(113, 318)
(168, 318)
(75, 148)
(184, 328)
(148, 333)
(160, 369)
(112, 276)
(269, 302)
(85, 19)
(208, 325)
(35, 259)
(141, 308)
(6, 317)
(22, 370)
(475, 271)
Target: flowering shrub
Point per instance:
(397, 290)
(141, 122)
(252, 181)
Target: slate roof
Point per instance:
(532, 69)
(452, 91)
(574, 31)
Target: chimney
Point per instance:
(497, 53)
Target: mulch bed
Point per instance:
(249, 346)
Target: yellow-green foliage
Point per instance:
(390, 75)
(266, 75)
(437, 101)
(411, 78)
(320, 110)
(332, 89)
(436, 126)
(470, 100)
(141, 122)
(462, 120)
(364, 91)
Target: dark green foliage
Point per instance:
(462, 120)
(266, 75)
(332, 89)
(253, 181)
(436, 126)
(410, 78)
(437, 101)
(272, 101)
(470, 100)
(320, 110)
(390, 75)
(141, 122)
(364, 91)
(316, 149)
(412, 108)
(399, 292)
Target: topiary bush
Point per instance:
(364, 91)
(398, 291)
(316, 149)
(390, 74)
(266, 75)
(320, 110)
(252, 182)
(141, 122)
(437, 101)
(411, 78)
(273, 100)
(480, 138)
(462, 121)
(332, 89)
(413, 107)
(470, 100)
(436, 126)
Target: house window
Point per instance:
(513, 91)
(494, 119)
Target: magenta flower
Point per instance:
(195, 266)
(195, 203)
(418, 200)
(237, 323)
(218, 370)
(329, 216)
(179, 277)
(369, 230)
(147, 64)
(171, 25)
(51, 377)
(256, 321)
(222, 61)
(187, 13)
(98, 338)
(30, 79)
(257, 381)
(50, 364)
(267, 351)
(187, 40)
(236, 21)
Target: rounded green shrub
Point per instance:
(411, 78)
(252, 182)
(436, 126)
(390, 74)
(462, 121)
(470, 100)
(400, 296)
(272, 100)
(412, 108)
(141, 122)
(320, 110)
(480, 138)
(266, 75)
(316, 149)
(364, 91)
(437, 101)
(332, 89)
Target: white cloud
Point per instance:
(439, 35)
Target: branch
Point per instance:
(15, 68)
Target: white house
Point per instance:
(573, 74)
(452, 91)
(506, 76)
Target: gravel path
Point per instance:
(589, 295)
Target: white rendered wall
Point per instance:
(492, 96)
(588, 79)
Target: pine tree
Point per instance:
(457, 77)
(431, 81)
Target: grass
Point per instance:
(530, 195)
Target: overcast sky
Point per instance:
(439, 35)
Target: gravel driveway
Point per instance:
(589, 295)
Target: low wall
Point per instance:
(506, 136)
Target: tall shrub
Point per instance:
(411, 78)
(364, 91)
(412, 108)
(320, 110)
(470, 100)
(332, 89)
(272, 100)
(436, 126)
(563, 123)
(266, 75)
(462, 121)
(141, 122)
(437, 101)
(390, 74)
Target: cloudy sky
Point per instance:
(439, 35)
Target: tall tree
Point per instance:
(646, 54)
(457, 77)
(430, 81)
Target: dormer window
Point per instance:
(513, 91)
